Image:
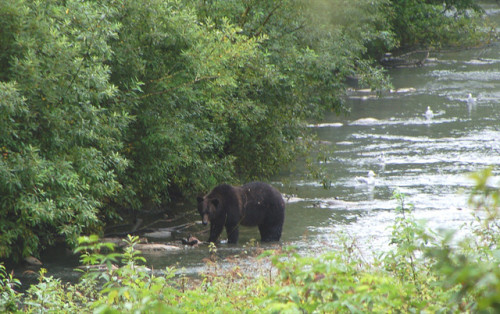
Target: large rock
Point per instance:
(33, 261)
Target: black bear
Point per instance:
(253, 204)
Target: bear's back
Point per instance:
(261, 203)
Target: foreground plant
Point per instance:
(330, 284)
(9, 297)
(471, 265)
(131, 287)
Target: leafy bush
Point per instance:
(433, 23)
(188, 72)
(9, 297)
(52, 295)
(61, 124)
(333, 282)
(131, 287)
(471, 265)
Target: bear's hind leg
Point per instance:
(270, 234)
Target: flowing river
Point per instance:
(428, 158)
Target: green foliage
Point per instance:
(133, 288)
(9, 297)
(60, 123)
(407, 263)
(409, 238)
(472, 264)
(178, 139)
(360, 27)
(436, 23)
(51, 295)
(485, 200)
(92, 252)
(300, 69)
(333, 282)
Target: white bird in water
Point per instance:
(428, 113)
(470, 99)
(370, 179)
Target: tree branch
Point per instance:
(266, 20)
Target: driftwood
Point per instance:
(118, 242)
(410, 59)
(137, 229)
(100, 267)
(155, 248)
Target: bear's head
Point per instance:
(207, 207)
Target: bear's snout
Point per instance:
(205, 219)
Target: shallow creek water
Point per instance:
(427, 159)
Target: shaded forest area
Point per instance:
(117, 105)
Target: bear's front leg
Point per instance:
(233, 233)
(215, 231)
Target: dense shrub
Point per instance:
(61, 123)
(436, 23)
(185, 68)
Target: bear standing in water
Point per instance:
(253, 204)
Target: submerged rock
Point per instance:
(325, 125)
(411, 59)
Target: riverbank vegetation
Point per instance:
(117, 105)
(437, 24)
(421, 271)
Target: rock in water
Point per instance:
(33, 261)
